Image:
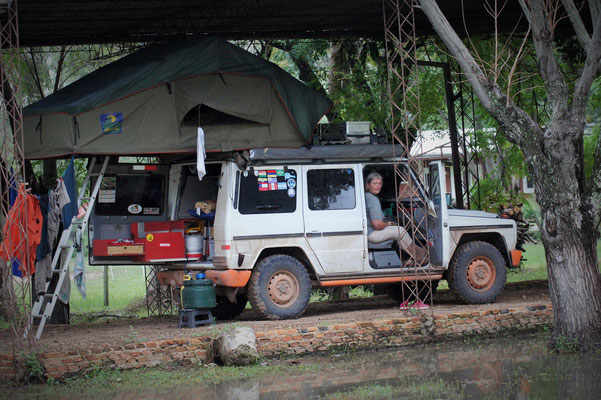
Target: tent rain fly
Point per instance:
(152, 101)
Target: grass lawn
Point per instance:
(126, 284)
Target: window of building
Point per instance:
(267, 191)
(331, 189)
(527, 185)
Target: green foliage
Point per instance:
(531, 211)
(354, 74)
(491, 194)
(46, 69)
(564, 344)
(132, 337)
(32, 364)
(318, 295)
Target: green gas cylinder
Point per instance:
(198, 292)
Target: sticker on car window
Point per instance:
(134, 208)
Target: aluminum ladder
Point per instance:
(64, 251)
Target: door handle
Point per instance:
(313, 234)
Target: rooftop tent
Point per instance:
(151, 102)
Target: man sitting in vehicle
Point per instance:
(379, 230)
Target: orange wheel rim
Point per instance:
(481, 274)
(283, 288)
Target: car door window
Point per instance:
(331, 189)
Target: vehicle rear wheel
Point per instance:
(226, 310)
(279, 287)
(477, 273)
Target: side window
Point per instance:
(388, 193)
(331, 189)
(130, 194)
(434, 182)
(267, 191)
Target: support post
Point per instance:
(105, 285)
(453, 134)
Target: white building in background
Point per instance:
(434, 145)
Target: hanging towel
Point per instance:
(70, 208)
(79, 270)
(200, 154)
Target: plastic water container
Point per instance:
(198, 293)
(194, 245)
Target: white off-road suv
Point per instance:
(290, 220)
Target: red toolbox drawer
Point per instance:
(163, 246)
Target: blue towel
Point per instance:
(43, 248)
(12, 191)
(70, 209)
(202, 216)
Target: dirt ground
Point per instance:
(118, 332)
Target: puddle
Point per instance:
(492, 369)
(514, 368)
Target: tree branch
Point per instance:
(520, 128)
(525, 10)
(518, 58)
(59, 67)
(577, 23)
(33, 71)
(543, 23)
(591, 66)
(595, 8)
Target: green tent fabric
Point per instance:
(151, 102)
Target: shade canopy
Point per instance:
(151, 102)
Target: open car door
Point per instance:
(438, 220)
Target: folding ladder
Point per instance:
(44, 305)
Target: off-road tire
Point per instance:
(485, 265)
(226, 310)
(279, 287)
(395, 291)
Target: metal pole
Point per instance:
(106, 285)
(453, 135)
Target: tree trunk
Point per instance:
(573, 269)
(569, 238)
(50, 174)
(575, 287)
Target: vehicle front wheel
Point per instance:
(279, 287)
(477, 273)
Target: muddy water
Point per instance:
(515, 368)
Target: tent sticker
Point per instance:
(111, 123)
